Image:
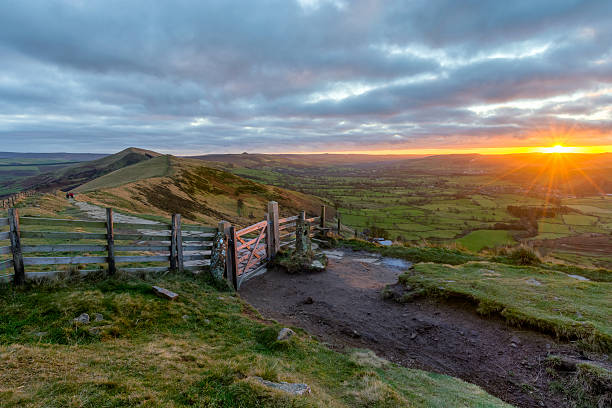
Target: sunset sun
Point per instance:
(558, 149)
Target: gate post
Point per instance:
(232, 259)
(13, 216)
(269, 237)
(274, 232)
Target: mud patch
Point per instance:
(345, 309)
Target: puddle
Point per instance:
(396, 263)
(334, 254)
(367, 260)
(580, 278)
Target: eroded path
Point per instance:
(343, 307)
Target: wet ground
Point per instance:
(343, 307)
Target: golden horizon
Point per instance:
(557, 148)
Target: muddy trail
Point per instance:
(343, 307)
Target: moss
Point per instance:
(293, 262)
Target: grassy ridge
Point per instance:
(165, 185)
(201, 350)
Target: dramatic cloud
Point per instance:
(228, 76)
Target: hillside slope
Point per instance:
(205, 349)
(167, 184)
(72, 176)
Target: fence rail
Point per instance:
(139, 244)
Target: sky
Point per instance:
(190, 77)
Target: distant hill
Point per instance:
(63, 157)
(166, 184)
(252, 160)
(69, 177)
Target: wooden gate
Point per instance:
(251, 245)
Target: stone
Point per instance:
(534, 282)
(285, 334)
(98, 317)
(217, 257)
(308, 301)
(473, 333)
(164, 293)
(413, 336)
(40, 334)
(302, 238)
(94, 331)
(515, 340)
(185, 317)
(290, 388)
(317, 265)
(82, 319)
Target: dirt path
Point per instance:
(98, 213)
(343, 307)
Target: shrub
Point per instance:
(524, 256)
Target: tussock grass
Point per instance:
(543, 299)
(201, 350)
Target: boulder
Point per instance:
(285, 334)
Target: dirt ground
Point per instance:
(344, 308)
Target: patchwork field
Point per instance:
(469, 210)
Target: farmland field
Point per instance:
(433, 205)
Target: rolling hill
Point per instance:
(166, 184)
(69, 177)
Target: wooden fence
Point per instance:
(105, 243)
(11, 200)
(36, 243)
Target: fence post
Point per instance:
(110, 241)
(19, 278)
(179, 243)
(274, 232)
(322, 222)
(338, 223)
(173, 244)
(232, 258)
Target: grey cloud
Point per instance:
(86, 74)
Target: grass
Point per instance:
(413, 254)
(480, 239)
(156, 167)
(534, 297)
(201, 350)
(573, 219)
